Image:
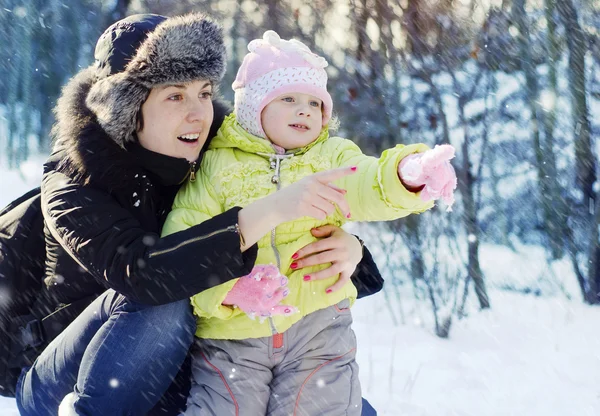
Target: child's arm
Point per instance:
(375, 192)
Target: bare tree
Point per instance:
(555, 208)
(585, 159)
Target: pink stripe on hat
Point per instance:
(274, 67)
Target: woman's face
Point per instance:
(177, 119)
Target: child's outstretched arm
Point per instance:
(375, 192)
(378, 192)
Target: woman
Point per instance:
(116, 166)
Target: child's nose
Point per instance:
(303, 111)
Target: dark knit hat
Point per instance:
(141, 52)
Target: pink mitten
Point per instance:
(431, 169)
(259, 293)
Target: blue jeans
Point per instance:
(118, 357)
(367, 409)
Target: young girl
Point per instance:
(301, 358)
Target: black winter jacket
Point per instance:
(104, 207)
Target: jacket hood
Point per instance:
(233, 135)
(86, 152)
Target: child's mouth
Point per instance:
(299, 127)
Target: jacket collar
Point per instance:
(166, 170)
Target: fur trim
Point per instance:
(87, 152)
(180, 50)
(67, 405)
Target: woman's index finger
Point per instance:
(335, 174)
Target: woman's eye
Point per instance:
(175, 97)
(206, 95)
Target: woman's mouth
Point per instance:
(189, 138)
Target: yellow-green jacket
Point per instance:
(240, 168)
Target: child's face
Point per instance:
(177, 119)
(293, 120)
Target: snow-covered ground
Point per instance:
(528, 355)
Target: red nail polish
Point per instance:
(349, 215)
(294, 265)
(295, 256)
(328, 291)
(307, 278)
(353, 168)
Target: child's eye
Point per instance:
(206, 94)
(288, 99)
(315, 104)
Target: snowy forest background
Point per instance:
(514, 85)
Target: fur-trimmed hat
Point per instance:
(274, 67)
(174, 50)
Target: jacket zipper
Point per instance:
(192, 171)
(276, 179)
(230, 228)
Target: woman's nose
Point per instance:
(196, 112)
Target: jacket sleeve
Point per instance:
(110, 243)
(375, 193)
(195, 203)
(366, 278)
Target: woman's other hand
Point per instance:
(337, 247)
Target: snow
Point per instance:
(528, 355)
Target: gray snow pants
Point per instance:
(309, 370)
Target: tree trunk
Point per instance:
(416, 28)
(361, 17)
(28, 74)
(585, 159)
(467, 189)
(14, 70)
(532, 93)
(273, 16)
(557, 215)
(577, 44)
